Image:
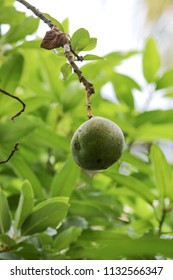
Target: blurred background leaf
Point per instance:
(151, 60)
(5, 216)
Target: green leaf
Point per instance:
(46, 214)
(18, 32)
(81, 40)
(92, 57)
(9, 15)
(28, 251)
(136, 162)
(6, 241)
(139, 226)
(9, 256)
(66, 238)
(33, 103)
(25, 172)
(169, 94)
(92, 43)
(151, 61)
(66, 70)
(48, 138)
(163, 172)
(55, 22)
(135, 185)
(150, 132)
(26, 203)
(33, 44)
(87, 208)
(154, 117)
(64, 182)
(45, 240)
(51, 65)
(166, 80)
(5, 217)
(7, 2)
(65, 25)
(72, 96)
(116, 58)
(123, 86)
(11, 71)
(105, 245)
(23, 127)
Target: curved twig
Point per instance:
(12, 118)
(11, 154)
(18, 99)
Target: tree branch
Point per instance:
(55, 39)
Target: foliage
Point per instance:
(49, 207)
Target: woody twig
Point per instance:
(55, 38)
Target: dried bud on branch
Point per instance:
(54, 39)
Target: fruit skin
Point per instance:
(97, 144)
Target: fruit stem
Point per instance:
(88, 104)
(88, 86)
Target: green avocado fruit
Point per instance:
(97, 144)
